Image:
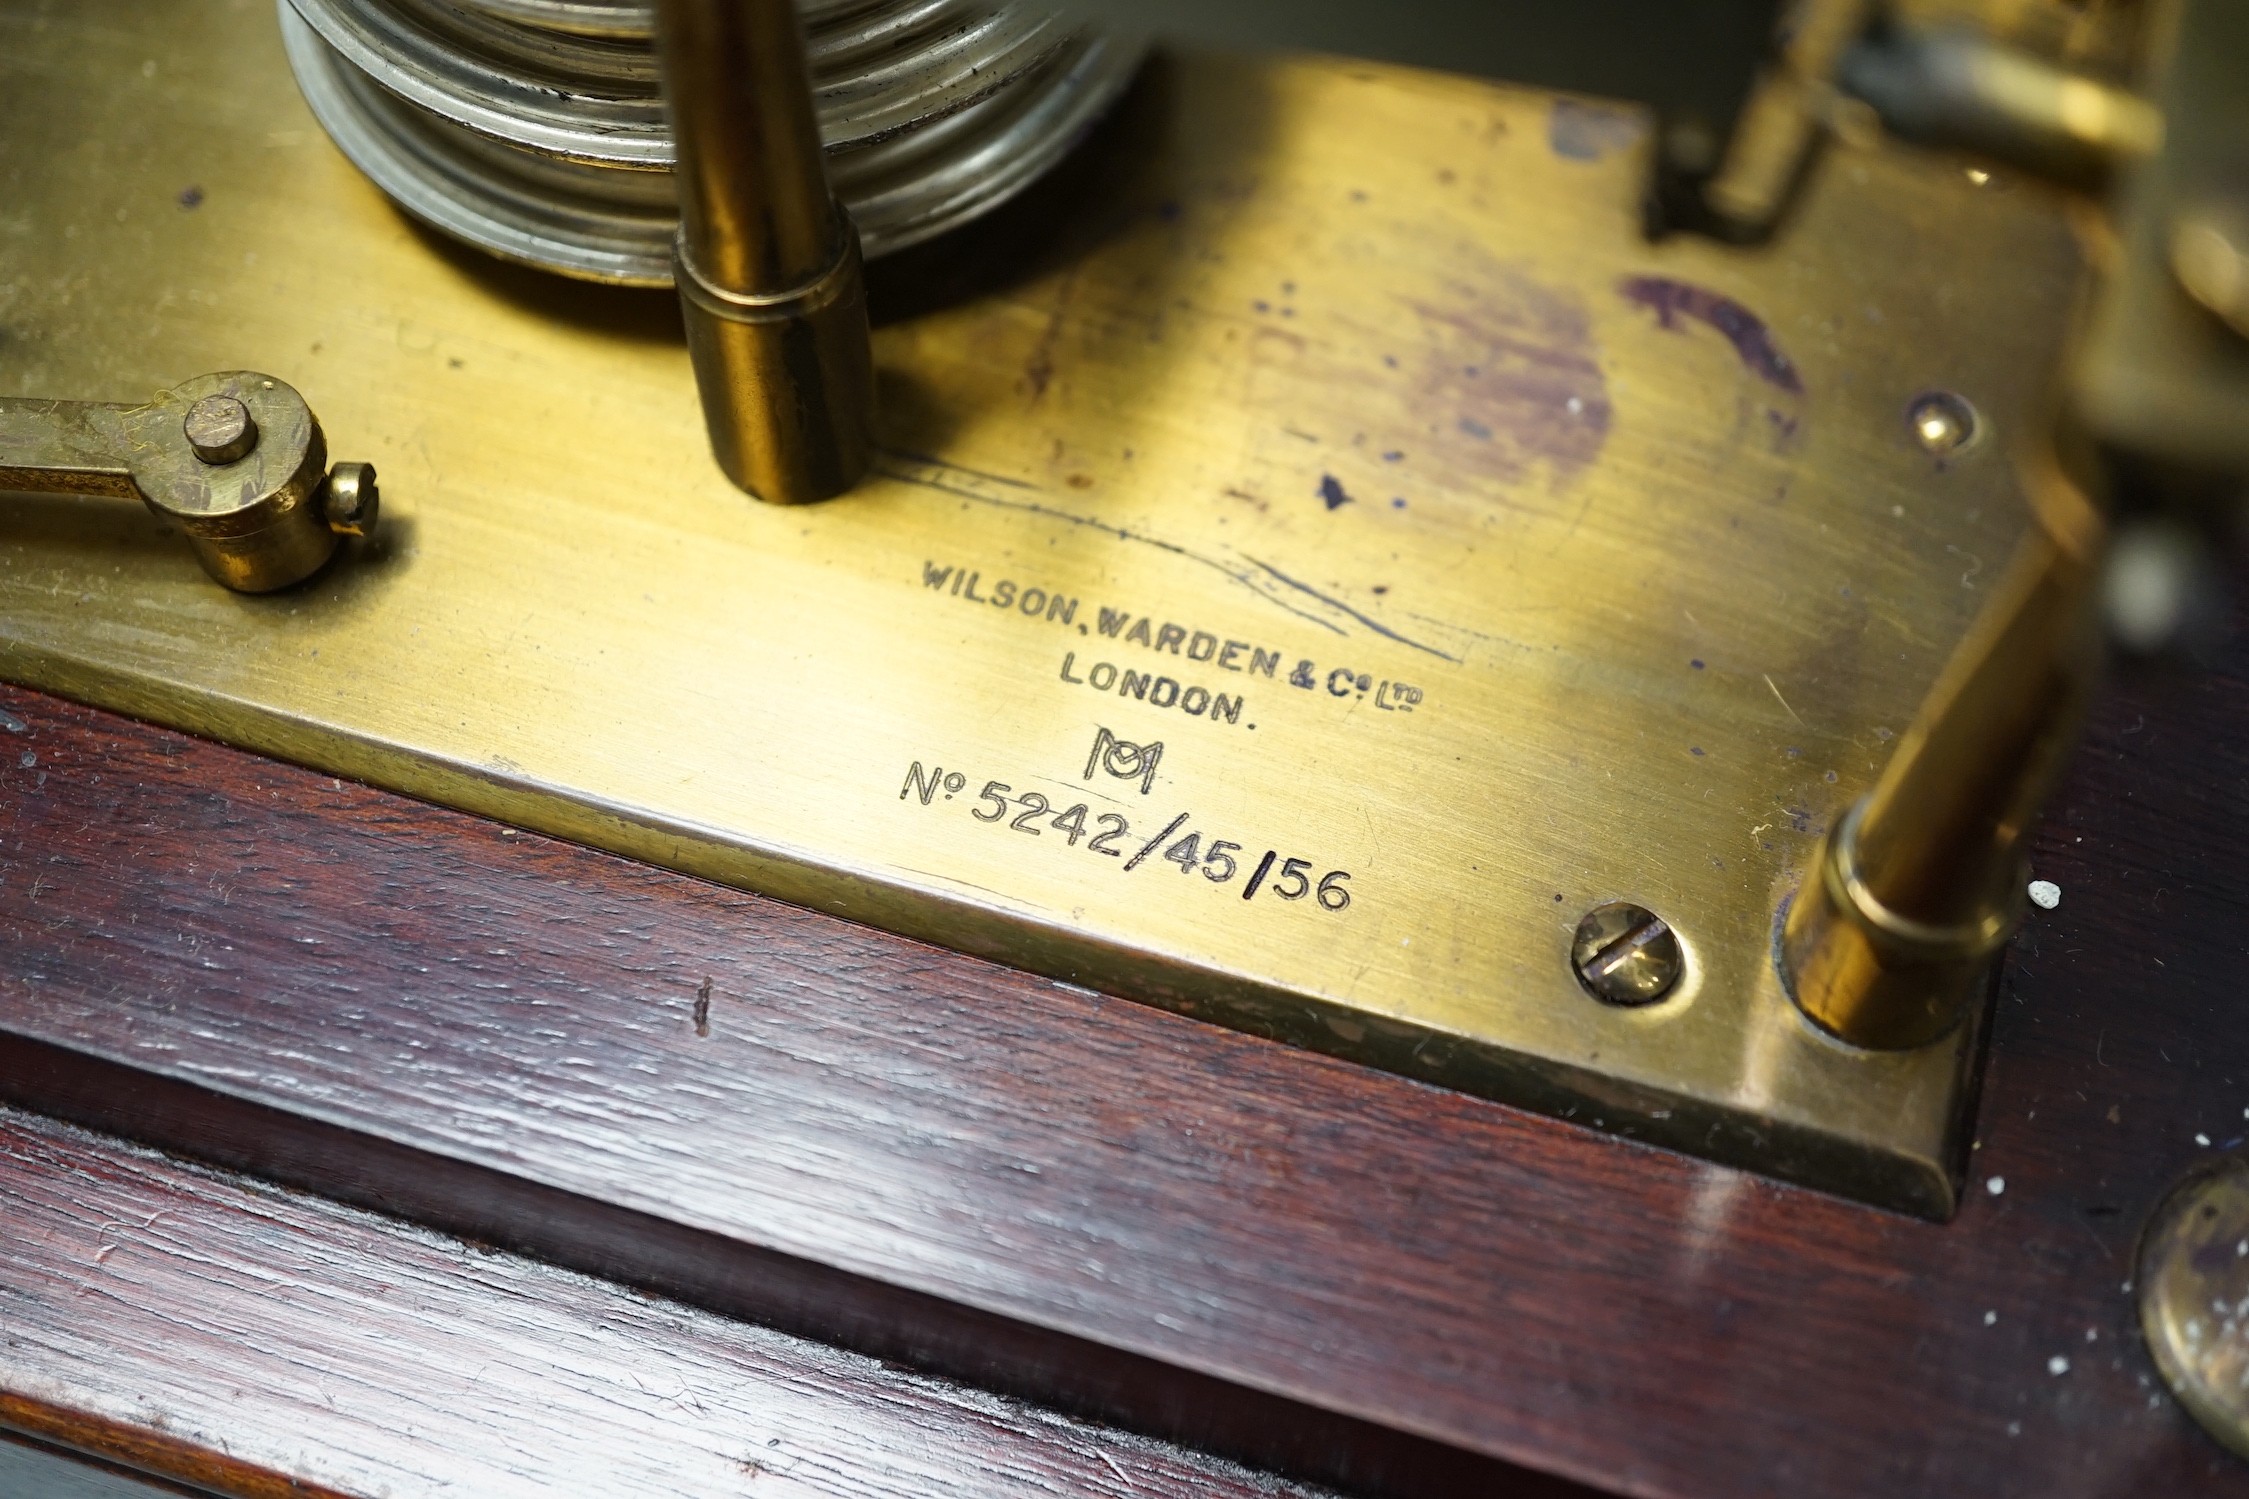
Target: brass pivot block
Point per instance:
(236, 459)
(767, 261)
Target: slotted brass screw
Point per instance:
(1626, 954)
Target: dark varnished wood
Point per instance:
(267, 1343)
(1121, 1210)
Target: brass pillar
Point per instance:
(767, 261)
(1911, 896)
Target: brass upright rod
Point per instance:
(1912, 894)
(767, 261)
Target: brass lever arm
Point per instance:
(236, 459)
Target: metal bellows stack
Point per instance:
(534, 129)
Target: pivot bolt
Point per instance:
(220, 429)
(1626, 954)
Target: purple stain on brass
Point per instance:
(1398, 502)
(1333, 492)
(1393, 456)
(191, 197)
(1510, 378)
(1673, 300)
(1584, 131)
(1696, 664)
(1695, 750)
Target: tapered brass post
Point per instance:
(1910, 897)
(766, 260)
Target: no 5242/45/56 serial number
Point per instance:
(1220, 861)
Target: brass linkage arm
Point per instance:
(236, 459)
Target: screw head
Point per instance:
(1941, 422)
(350, 501)
(220, 429)
(1626, 954)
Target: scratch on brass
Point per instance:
(935, 474)
(1334, 603)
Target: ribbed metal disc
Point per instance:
(533, 128)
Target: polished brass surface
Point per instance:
(1479, 561)
(767, 263)
(2193, 1287)
(258, 514)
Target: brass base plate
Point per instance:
(1450, 539)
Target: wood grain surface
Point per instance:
(1122, 1211)
(267, 1342)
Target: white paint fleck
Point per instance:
(2057, 1365)
(2014, 1428)
(2045, 894)
(1989, 1318)
(1996, 1185)
(2202, 1140)
(2092, 1335)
